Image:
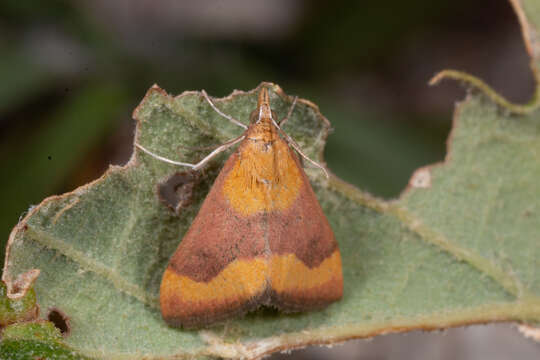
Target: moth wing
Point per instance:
(305, 266)
(217, 271)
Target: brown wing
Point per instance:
(305, 266)
(219, 269)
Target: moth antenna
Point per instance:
(297, 148)
(201, 163)
(228, 117)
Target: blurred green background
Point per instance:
(71, 73)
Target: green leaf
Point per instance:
(42, 331)
(460, 245)
(32, 349)
(20, 308)
(39, 340)
(432, 259)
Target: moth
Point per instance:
(260, 237)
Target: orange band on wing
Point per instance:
(289, 274)
(240, 279)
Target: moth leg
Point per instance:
(201, 163)
(296, 147)
(228, 117)
(286, 118)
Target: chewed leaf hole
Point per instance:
(60, 320)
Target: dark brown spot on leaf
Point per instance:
(176, 192)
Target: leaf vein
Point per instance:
(82, 260)
(507, 280)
